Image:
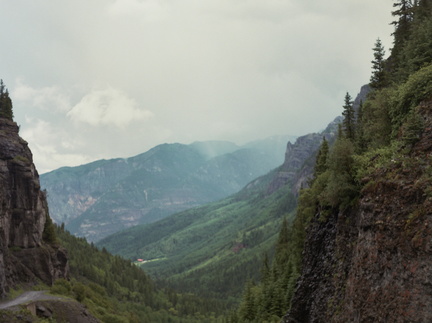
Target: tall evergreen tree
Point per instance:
(321, 159)
(360, 135)
(424, 9)
(349, 117)
(5, 103)
(404, 14)
(377, 80)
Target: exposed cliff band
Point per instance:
(28, 252)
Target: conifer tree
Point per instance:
(424, 9)
(360, 137)
(402, 26)
(5, 103)
(377, 80)
(349, 117)
(248, 307)
(321, 159)
(404, 13)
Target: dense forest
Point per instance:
(116, 290)
(382, 130)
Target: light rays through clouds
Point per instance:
(113, 78)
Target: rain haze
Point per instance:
(114, 78)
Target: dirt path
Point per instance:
(28, 297)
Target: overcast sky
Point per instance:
(114, 78)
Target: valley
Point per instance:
(103, 197)
(331, 226)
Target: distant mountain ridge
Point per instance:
(212, 249)
(103, 197)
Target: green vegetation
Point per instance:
(349, 117)
(167, 179)
(380, 135)
(377, 80)
(5, 103)
(115, 290)
(212, 250)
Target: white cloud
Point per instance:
(108, 107)
(46, 98)
(51, 146)
(148, 10)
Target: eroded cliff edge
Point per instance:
(27, 252)
(372, 263)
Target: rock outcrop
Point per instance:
(25, 256)
(372, 263)
(300, 159)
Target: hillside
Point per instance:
(358, 249)
(372, 260)
(212, 250)
(103, 197)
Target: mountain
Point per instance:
(28, 251)
(103, 197)
(211, 250)
(372, 260)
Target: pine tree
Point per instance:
(424, 9)
(349, 117)
(321, 159)
(402, 26)
(248, 307)
(404, 13)
(360, 136)
(377, 80)
(5, 103)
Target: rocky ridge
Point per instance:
(103, 197)
(26, 252)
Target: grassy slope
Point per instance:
(211, 250)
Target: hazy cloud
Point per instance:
(47, 98)
(108, 107)
(113, 78)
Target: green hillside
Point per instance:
(116, 291)
(103, 197)
(213, 249)
(210, 250)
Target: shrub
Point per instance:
(417, 88)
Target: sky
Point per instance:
(113, 78)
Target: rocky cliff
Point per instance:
(300, 158)
(372, 263)
(27, 251)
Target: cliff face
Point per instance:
(24, 256)
(372, 263)
(300, 158)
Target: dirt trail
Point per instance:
(28, 297)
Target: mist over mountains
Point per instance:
(103, 197)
